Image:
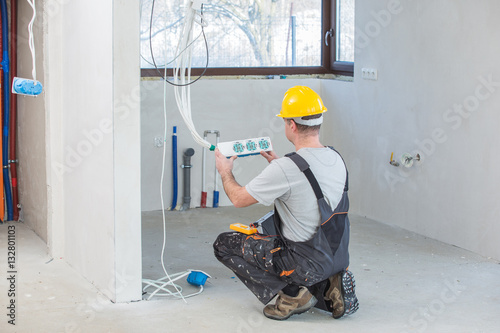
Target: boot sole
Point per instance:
(304, 308)
(351, 303)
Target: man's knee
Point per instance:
(227, 244)
(218, 247)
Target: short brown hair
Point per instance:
(304, 129)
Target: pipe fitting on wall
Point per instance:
(188, 153)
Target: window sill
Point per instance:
(265, 77)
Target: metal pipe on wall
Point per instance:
(203, 165)
(186, 166)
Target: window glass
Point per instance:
(345, 30)
(240, 33)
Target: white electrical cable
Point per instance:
(31, 38)
(164, 283)
(160, 284)
(182, 72)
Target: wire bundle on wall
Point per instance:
(182, 72)
(182, 75)
(5, 119)
(31, 39)
(29, 87)
(12, 85)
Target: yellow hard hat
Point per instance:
(301, 101)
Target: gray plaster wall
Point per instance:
(31, 129)
(432, 97)
(437, 94)
(239, 109)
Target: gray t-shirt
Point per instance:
(283, 184)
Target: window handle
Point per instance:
(329, 33)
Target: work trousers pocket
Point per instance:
(297, 269)
(258, 250)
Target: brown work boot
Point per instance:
(334, 295)
(341, 294)
(287, 306)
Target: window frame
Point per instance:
(337, 67)
(329, 63)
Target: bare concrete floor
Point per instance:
(405, 283)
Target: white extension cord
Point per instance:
(183, 99)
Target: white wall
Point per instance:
(239, 109)
(430, 56)
(92, 135)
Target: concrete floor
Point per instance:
(405, 283)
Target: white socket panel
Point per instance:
(369, 73)
(245, 147)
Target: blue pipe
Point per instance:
(6, 118)
(174, 168)
(216, 199)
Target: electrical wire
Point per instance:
(182, 73)
(167, 281)
(202, 24)
(160, 284)
(171, 61)
(31, 40)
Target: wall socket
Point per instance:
(369, 74)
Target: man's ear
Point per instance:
(293, 125)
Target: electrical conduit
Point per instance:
(6, 114)
(174, 169)
(203, 166)
(215, 202)
(2, 201)
(13, 111)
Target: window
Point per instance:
(249, 37)
(343, 48)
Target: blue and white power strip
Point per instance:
(246, 147)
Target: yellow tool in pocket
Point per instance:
(243, 228)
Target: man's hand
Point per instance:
(269, 155)
(224, 165)
(235, 192)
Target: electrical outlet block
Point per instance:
(26, 87)
(246, 147)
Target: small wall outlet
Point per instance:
(369, 74)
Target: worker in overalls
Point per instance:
(302, 254)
